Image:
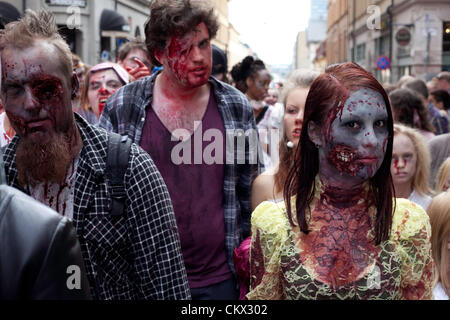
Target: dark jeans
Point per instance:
(225, 290)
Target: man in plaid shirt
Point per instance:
(185, 119)
(59, 159)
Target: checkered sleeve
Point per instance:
(158, 263)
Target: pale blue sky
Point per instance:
(270, 27)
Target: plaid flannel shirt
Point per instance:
(439, 122)
(125, 113)
(133, 256)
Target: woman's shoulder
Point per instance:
(270, 217)
(409, 220)
(263, 185)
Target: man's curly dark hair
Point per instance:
(170, 18)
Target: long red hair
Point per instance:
(326, 93)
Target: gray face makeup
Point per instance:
(355, 144)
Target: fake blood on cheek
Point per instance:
(177, 52)
(343, 157)
(47, 93)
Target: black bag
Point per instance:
(116, 166)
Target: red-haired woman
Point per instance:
(339, 234)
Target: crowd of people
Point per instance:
(168, 174)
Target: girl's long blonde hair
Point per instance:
(442, 176)
(300, 78)
(420, 178)
(439, 212)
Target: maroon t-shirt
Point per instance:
(196, 190)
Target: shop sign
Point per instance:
(67, 3)
(403, 37)
(383, 63)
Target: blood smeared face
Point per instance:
(188, 59)
(36, 93)
(404, 160)
(102, 84)
(355, 142)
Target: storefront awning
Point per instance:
(112, 21)
(8, 13)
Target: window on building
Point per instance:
(361, 53)
(446, 46)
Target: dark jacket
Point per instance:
(37, 249)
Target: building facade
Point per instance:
(412, 37)
(94, 29)
(337, 31)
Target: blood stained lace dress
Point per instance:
(336, 260)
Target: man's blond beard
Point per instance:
(45, 162)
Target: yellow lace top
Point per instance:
(281, 268)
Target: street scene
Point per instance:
(224, 150)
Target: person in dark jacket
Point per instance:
(40, 256)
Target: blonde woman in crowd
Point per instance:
(439, 212)
(269, 185)
(443, 177)
(410, 166)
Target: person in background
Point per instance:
(443, 81)
(439, 212)
(388, 87)
(440, 123)
(443, 177)
(338, 233)
(80, 70)
(6, 130)
(408, 109)
(432, 84)
(439, 150)
(252, 78)
(272, 97)
(269, 185)
(133, 56)
(403, 80)
(410, 166)
(219, 64)
(40, 256)
(161, 114)
(441, 100)
(101, 82)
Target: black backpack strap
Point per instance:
(116, 167)
(261, 115)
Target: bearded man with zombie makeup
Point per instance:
(60, 160)
(171, 109)
(338, 234)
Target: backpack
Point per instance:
(116, 165)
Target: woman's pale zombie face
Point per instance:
(404, 160)
(354, 144)
(102, 85)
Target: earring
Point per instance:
(290, 144)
